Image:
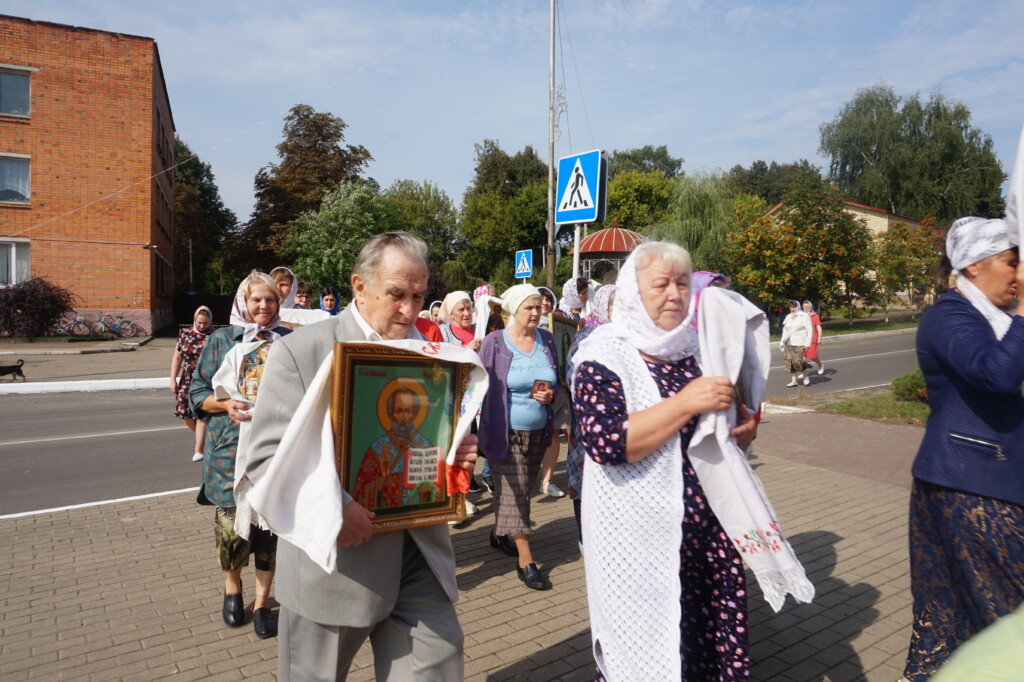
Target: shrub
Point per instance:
(33, 306)
(910, 387)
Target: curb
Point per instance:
(90, 386)
(128, 346)
(772, 408)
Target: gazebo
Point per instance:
(611, 245)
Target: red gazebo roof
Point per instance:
(611, 240)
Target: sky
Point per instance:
(419, 82)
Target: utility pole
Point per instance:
(550, 266)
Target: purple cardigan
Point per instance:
(497, 358)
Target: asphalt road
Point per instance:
(63, 449)
(74, 448)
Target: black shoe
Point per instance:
(532, 577)
(488, 483)
(474, 486)
(264, 623)
(505, 544)
(234, 610)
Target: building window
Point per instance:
(14, 179)
(14, 262)
(14, 99)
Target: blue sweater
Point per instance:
(974, 439)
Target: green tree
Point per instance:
(504, 208)
(638, 199)
(905, 259)
(313, 159)
(699, 218)
(323, 244)
(913, 157)
(772, 181)
(809, 248)
(644, 159)
(202, 223)
(426, 211)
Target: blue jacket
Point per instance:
(497, 359)
(974, 439)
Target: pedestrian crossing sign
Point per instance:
(524, 263)
(582, 180)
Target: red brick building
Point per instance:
(86, 144)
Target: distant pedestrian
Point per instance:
(967, 500)
(183, 363)
(796, 337)
(813, 352)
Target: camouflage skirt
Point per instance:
(795, 362)
(233, 550)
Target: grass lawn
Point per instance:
(883, 407)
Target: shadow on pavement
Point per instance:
(812, 641)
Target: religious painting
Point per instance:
(394, 414)
(564, 330)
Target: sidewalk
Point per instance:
(131, 590)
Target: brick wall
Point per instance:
(100, 126)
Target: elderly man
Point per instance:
(396, 588)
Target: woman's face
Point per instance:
(462, 314)
(665, 293)
(202, 322)
(545, 305)
(528, 313)
(285, 287)
(996, 277)
(328, 301)
(584, 295)
(793, 310)
(262, 304)
(434, 313)
(807, 308)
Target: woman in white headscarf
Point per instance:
(574, 297)
(796, 337)
(665, 580)
(967, 501)
(456, 320)
(515, 421)
(284, 278)
(254, 317)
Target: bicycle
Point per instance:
(120, 326)
(71, 324)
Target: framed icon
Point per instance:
(394, 414)
(564, 330)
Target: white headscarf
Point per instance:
(1015, 198)
(631, 323)
(449, 303)
(240, 312)
(570, 298)
(514, 297)
(289, 302)
(973, 239)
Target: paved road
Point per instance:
(849, 364)
(71, 448)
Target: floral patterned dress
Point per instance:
(714, 642)
(190, 345)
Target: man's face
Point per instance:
(392, 300)
(303, 299)
(402, 412)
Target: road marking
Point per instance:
(89, 435)
(861, 357)
(98, 504)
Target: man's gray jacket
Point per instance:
(365, 584)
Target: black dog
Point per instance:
(13, 370)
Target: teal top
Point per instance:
(526, 413)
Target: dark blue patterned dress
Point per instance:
(714, 642)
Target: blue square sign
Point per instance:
(582, 180)
(524, 263)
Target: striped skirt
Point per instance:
(514, 481)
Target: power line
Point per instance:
(579, 84)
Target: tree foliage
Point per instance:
(313, 159)
(427, 212)
(638, 199)
(772, 181)
(809, 248)
(913, 157)
(202, 223)
(645, 159)
(323, 244)
(504, 208)
(32, 307)
(905, 259)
